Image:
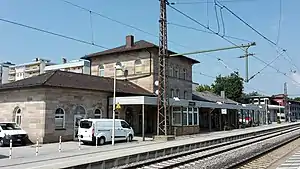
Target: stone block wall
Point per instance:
(68, 100)
(32, 106)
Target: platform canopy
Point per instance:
(146, 100)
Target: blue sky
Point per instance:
(21, 45)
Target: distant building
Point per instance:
(76, 66)
(4, 69)
(26, 70)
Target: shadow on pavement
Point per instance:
(3, 156)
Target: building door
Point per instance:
(77, 119)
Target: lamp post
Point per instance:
(116, 67)
(289, 111)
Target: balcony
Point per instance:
(32, 69)
(11, 78)
(12, 71)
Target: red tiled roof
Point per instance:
(139, 45)
(76, 81)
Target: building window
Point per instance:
(80, 111)
(98, 114)
(59, 118)
(177, 117)
(176, 72)
(190, 116)
(196, 115)
(171, 71)
(184, 74)
(184, 116)
(138, 66)
(177, 93)
(185, 95)
(172, 93)
(18, 116)
(101, 70)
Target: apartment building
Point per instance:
(76, 66)
(26, 70)
(4, 69)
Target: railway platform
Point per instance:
(121, 153)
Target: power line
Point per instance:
(52, 33)
(279, 22)
(230, 11)
(204, 31)
(117, 21)
(216, 33)
(207, 2)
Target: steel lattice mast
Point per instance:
(162, 107)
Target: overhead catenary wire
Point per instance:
(52, 33)
(117, 21)
(207, 2)
(204, 31)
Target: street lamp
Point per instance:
(118, 66)
(289, 111)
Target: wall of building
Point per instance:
(69, 100)
(4, 74)
(32, 106)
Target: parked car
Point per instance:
(101, 129)
(11, 131)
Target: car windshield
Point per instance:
(9, 126)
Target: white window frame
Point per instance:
(190, 112)
(101, 71)
(185, 95)
(96, 115)
(18, 116)
(138, 66)
(176, 72)
(172, 93)
(185, 111)
(197, 112)
(180, 116)
(59, 116)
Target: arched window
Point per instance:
(101, 70)
(184, 74)
(185, 95)
(59, 118)
(18, 116)
(172, 93)
(98, 114)
(119, 72)
(80, 111)
(138, 66)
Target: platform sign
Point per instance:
(224, 111)
(118, 106)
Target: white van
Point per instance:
(90, 129)
(11, 131)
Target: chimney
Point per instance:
(64, 60)
(129, 41)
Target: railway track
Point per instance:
(224, 155)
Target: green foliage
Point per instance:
(297, 99)
(202, 88)
(232, 85)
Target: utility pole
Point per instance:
(163, 71)
(246, 56)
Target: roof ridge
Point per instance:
(51, 75)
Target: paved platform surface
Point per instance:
(24, 157)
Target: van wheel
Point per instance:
(101, 141)
(1, 142)
(129, 138)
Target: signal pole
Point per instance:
(163, 98)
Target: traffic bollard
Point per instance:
(37, 147)
(79, 143)
(96, 141)
(59, 146)
(10, 149)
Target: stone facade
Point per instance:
(148, 73)
(38, 106)
(31, 102)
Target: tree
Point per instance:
(202, 88)
(232, 85)
(297, 99)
